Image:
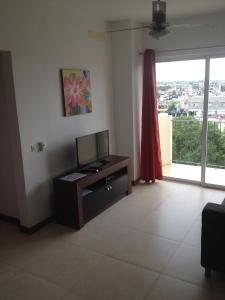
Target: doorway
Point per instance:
(12, 186)
(191, 110)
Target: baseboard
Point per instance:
(136, 181)
(9, 219)
(36, 227)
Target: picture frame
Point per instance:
(76, 91)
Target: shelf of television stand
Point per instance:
(106, 187)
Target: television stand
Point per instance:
(90, 170)
(80, 200)
(105, 160)
(94, 167)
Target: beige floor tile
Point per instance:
(144, 250)
(144, 229)
(183, 205)
(168, 288)
(6, 273)
(99, 235)
(104, 226)
(52, 233)
(140, 204)
(63, 266)
(70, 296)
(216, 196)
(193, 237)
(149, 197)
(164, 187)
(185, 265)
(19, 254)
(26, 287)
(10, 237)
(113, 279)
(95, 242)
(166, 223)
(126, 215)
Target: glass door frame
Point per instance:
(205, 125)
(204, 139)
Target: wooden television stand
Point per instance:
(80, 200)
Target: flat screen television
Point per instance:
(91, 148)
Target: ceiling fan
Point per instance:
(158, 28)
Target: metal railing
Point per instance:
(187, 138)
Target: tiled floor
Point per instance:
(212, 175)
(145, 247)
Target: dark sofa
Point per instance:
(213, 238)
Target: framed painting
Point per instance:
(76, 92)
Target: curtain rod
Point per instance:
(186, 49)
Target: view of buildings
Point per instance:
(187, 98)
(180, 95)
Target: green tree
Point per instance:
(187, 133)
(216, 145)
(164, 88)
(174, 94)
(172, 107)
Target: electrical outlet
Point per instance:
(33, 148)
(41, 146)
(38, 147)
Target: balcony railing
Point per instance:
(186, 142)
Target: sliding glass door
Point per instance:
(215, 158)
(180, 91)
(191, 107)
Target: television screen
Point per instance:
(102, 140)
(92, 147)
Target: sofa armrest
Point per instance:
(213, 237)
(213, 216)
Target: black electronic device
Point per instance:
(88, 169)
(92, 150)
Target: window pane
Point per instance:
(215, 170)
(180, 93)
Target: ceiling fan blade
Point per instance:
(131, 28)
(101, 36)
(190, 25)
(98, 36)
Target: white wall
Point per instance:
(45, 36)
(166, 138)
(137, 66)
(184, 38)
(122, 83)
(127, 84)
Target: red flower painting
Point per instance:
(76, 89)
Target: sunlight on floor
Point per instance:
(213, 176)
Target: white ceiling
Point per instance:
(140, 10)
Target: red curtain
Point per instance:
(151, 162)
